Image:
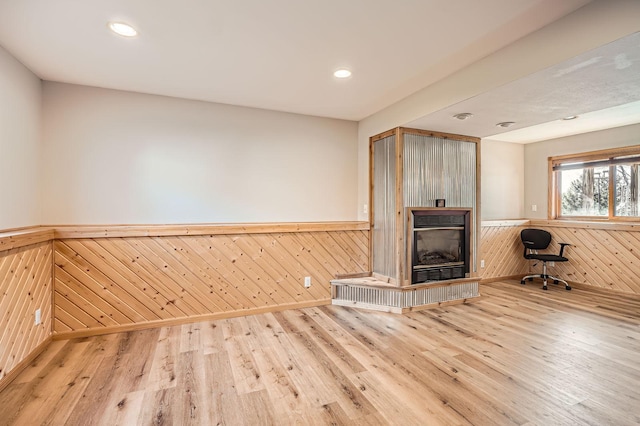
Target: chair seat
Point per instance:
(539, 239)
(547, 257)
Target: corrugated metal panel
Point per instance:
(384, 195)
(440, 168)
(395, 298)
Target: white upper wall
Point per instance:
(19, 144)
(591, 26)
(117, 157)
(502, 180)
(536, 167)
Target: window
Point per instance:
(597, 185)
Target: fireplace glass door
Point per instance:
(440, 246)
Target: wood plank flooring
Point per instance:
(518, 355)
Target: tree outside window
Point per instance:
(585, 184)
(627, 190)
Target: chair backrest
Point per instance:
(535, 239)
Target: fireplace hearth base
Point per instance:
(371, 293)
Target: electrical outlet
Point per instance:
(534, 208)
(38, 317)
(307, 282)
(482, 263)
(365, 209)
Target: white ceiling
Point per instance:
(280, 55)
(601, 87)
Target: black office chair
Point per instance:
(539, 239)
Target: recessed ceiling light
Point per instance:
(342, 73)
(123, 29)
(571, 117)
(463, 115)
(505, 124)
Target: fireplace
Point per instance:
(439, 243)
(416, 239)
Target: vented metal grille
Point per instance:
(397, 298)
(384, 196)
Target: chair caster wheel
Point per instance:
(555, 281)
(522, 282)
(544, 287)
(567, 288)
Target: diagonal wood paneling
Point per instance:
(25, 285)
(501, 250)
(110, 282)
(599, 256)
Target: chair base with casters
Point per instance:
(545, 277)
(538, 239)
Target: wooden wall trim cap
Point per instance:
(16, 238)
(122, 231)
(504, 223)
(610, 226)
(578, 224)
(21, 237)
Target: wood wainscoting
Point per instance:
(116, 278)
(602, 255)
(501, 250)
(129, 277)
(25, 286)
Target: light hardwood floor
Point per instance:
(518, 355)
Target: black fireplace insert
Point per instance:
(440, 245)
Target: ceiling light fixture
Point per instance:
(506, 124)
(342, 73)
(571, 117)
(123, 29)
(463, 115)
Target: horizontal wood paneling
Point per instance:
(111, 282)
(25, 285)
